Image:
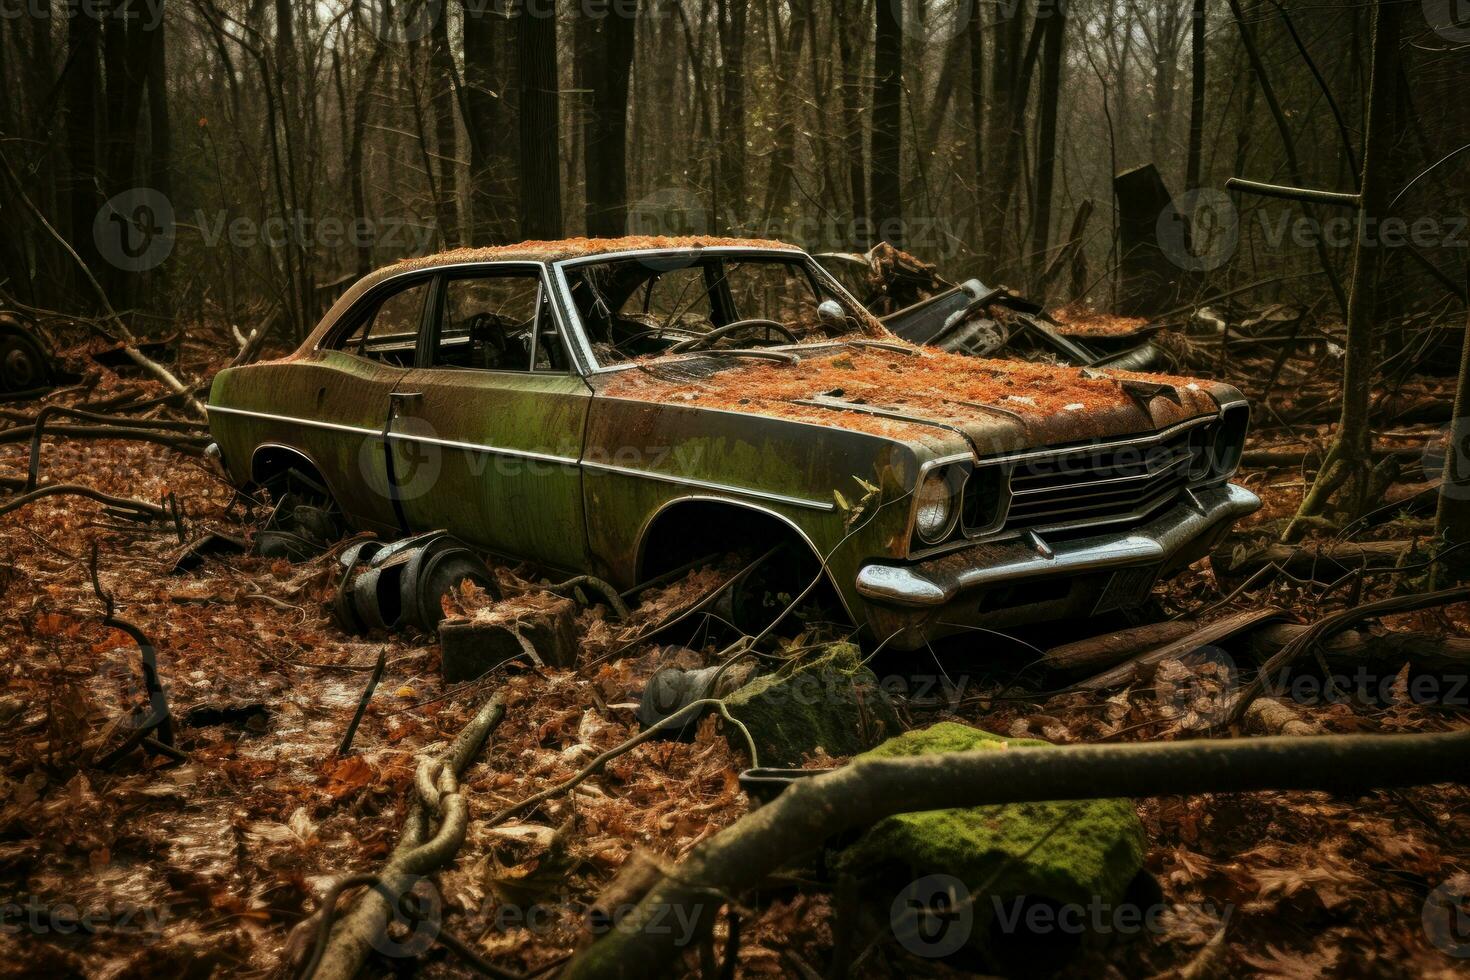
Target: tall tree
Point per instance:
(490, 102)
(1196, 97)
(1053, 57)
(885, 153)
(606, 32)
(540, 156)
(1348, 460)
(82, 81)
(851, 39)
(730, 19)
(446, 137)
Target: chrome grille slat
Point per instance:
(1125, 482)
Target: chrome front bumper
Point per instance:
(940, 582)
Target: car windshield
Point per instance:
(687, 302)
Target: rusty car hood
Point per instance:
(996, 406)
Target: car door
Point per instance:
(486, 437)
(346, 392)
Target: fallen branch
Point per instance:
(341, 955)
(813, 810)
(175, 440)
(142, 509)
(1098, 652)
(1329, 626)
(592, 583)
(1141, 665)
(367, 695)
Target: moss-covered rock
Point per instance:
(1081, 852)
(830, 701)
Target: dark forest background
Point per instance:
(237, 159)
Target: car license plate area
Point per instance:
(1126, 588)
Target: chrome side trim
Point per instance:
(929, 584)
(776, 498)
(400, 436)
(475, 447)
(310, 423)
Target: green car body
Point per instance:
(932, 506)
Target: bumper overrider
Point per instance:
(1028, 580)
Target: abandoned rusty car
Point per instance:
(625, 407)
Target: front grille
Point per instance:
(1098, 484)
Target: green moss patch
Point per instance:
(830, 701)
(1070, 852)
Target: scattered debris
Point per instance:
(402, 584)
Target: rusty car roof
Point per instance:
(574, 248)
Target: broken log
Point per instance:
(809, 813)
(1371, 647)
(1329, 626)
(1142, 665)
(1099, 652)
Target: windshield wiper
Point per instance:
(882, 345)
(765, 355)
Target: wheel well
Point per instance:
(694, 529)
(272, 462)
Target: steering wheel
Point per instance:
(704, 340)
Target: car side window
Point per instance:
(390, 333)
(497, 322)
(780, 290)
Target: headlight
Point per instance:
(1230, 439)
(935, 509)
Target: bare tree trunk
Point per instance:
(607, 34)
(540, 127)
(82, 85)
(1196, 98)
(446, 138)
(845, 24)
(1053, 56)
(887, 197)
(1348, 459)
(360, 105)
(160, 138)
(489, 106)
(730, 193)
(1288, 144)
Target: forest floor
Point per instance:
(160, 867)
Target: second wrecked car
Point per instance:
(628, 406)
